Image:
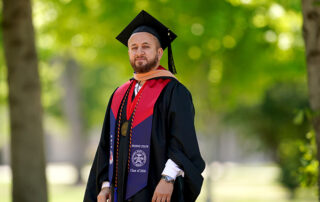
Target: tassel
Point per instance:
(115, 196)
(171, 65)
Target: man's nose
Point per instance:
(140, 51)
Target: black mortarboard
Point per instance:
(144, 22)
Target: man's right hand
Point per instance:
(104, 195)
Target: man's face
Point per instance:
(144, 52)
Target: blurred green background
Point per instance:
(242, 60)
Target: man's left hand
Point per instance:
(163, 192)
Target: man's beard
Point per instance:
(143, 68)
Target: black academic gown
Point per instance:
(173, 136)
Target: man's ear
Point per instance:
(160, 53)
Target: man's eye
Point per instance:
(145, 46)
(134, 48)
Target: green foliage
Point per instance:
(227, 52)
(280, 123)
(289, 162)
(308, 166)
(308, 169)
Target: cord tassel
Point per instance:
(171, 65)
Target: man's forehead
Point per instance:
(142, 37)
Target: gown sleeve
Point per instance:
(183, 145)
(99, 169)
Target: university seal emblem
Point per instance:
(139, 158)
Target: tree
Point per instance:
(27, 148)
(277, 129)
(311, 34)
(72, 102)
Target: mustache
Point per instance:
(137, 58)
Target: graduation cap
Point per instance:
(144, 22)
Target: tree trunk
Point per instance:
(74, 115)
(311, 34)
(27, 144)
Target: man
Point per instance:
(148, 149)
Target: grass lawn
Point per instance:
(57, 193)
(229, 183)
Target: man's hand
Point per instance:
(104, 195)
(163, 192)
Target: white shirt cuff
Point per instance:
(172, 169)
(105, 184)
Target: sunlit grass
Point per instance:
(248, 183)
(57, 193)
(230, 183)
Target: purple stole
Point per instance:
(141, 133)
